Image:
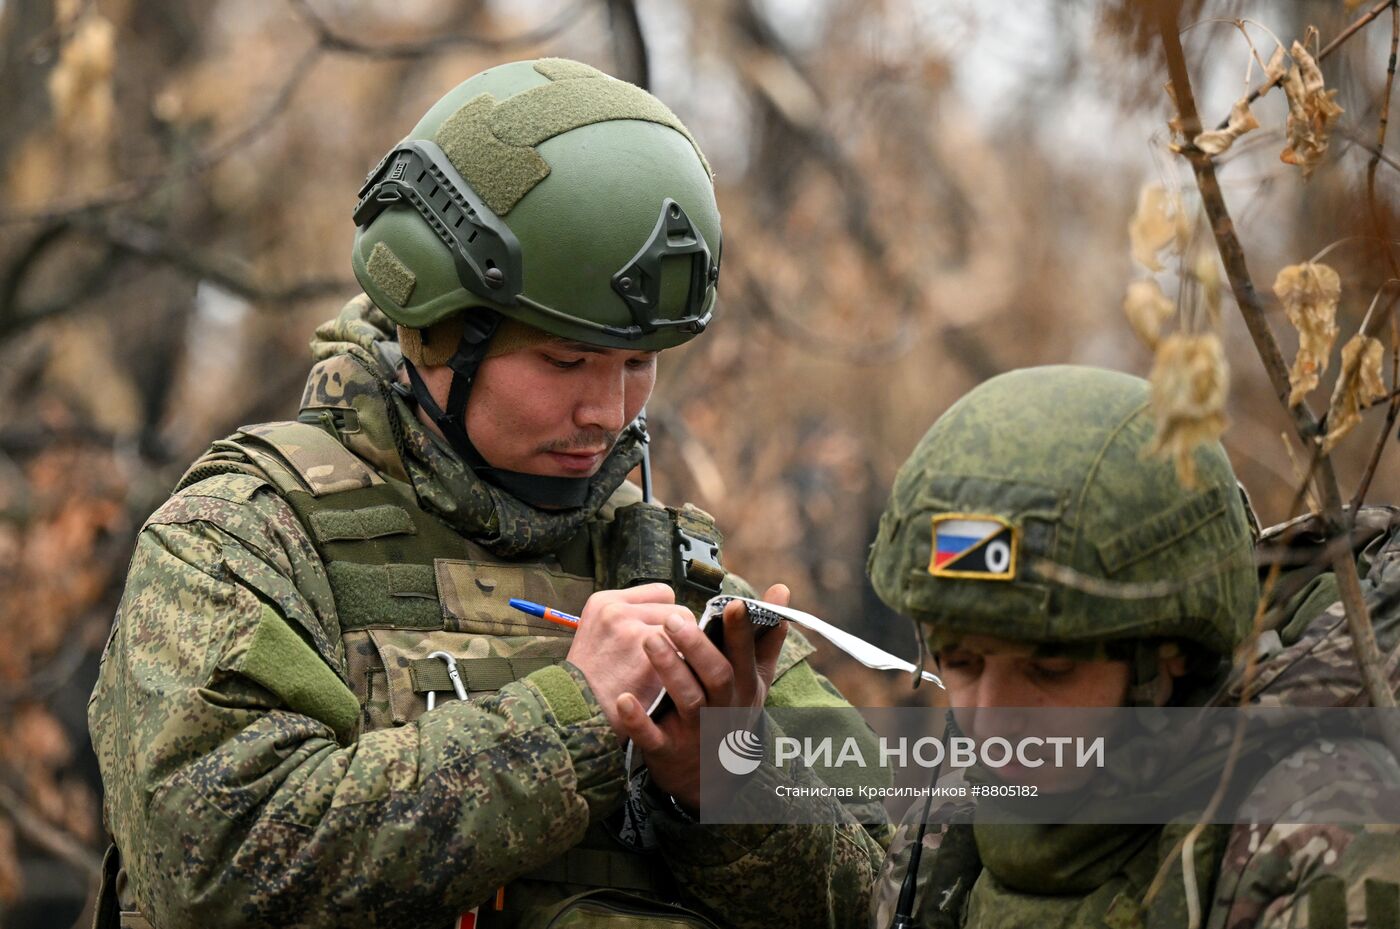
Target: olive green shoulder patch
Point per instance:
(278, 659)
(492, 143)
(562, 693)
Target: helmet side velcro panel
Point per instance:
(394, 277)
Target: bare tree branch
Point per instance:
(905, 291)
(327, 40)
(13, 319)
(151, 243)
(1232, 255)
(135, 189)
(629, 44)
(130, 238)
(52, 840)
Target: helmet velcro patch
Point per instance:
(492, 143)
(974, 545)
(391, 274)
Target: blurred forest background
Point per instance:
(916, 195)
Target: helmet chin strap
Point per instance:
(535, 489)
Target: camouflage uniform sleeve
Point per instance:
(237, 787)
(1316, 876)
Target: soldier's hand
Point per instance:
(608, 646)
(700, 676)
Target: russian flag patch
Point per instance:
(977, 546)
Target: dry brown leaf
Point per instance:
(1158, 223)
(1147, 308)
(1309, 293)
(1275, 68)
(1189, 382)
(1216, 141)
(1311, 112)
(80, 84)
(1361, 384)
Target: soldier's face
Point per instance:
(985, 671)
(556, 408)
(990, 680)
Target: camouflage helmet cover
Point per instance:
(1100, 544)
(553, 194)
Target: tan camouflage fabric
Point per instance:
(1270, 875)
(241, 794)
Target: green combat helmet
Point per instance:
(1029, 512)
(549, 193)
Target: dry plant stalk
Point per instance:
(1147, 308)
(1368, 656)
(1159, 223)
(1360, 385)
(1309, 293)
(1311, 112)
(1304, 479)
(1189, 383)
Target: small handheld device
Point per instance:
(712, 620)
(712, 624)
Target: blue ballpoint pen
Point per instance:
(568, 620)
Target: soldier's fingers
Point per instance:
(645, 593)
(652, 614)
(739, 646)
(636, 725)
(676, 677)
(778, 594)
(766, 652)
(708, 663)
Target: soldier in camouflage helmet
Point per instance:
(1007, 533)
(277, 715)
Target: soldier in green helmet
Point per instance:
(1096, 579)
(318, 708)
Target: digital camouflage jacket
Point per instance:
(261, 718)
(1269, 875)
